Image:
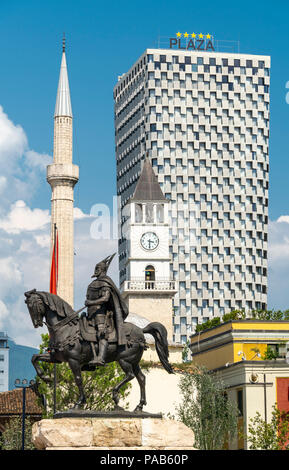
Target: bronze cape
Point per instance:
(116, 304)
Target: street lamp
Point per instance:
(23, 384)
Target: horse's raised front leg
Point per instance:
(36, 358)
(76, 370)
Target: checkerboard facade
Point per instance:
(203, 120)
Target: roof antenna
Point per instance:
(63, 43)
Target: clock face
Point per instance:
(149, 241)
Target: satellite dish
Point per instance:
(287, 357)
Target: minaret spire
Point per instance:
(62, 176)
(63, 101)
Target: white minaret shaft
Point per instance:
(62, 176)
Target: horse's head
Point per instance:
(35, 307)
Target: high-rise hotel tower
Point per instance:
(202, 118)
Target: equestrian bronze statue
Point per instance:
(96, 338)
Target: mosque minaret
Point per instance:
(62, 175)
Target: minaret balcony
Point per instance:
(140, 285)
(62, 171)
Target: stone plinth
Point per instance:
(111, 434)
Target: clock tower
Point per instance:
(147, 288)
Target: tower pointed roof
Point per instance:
(148, 187)
(63, 102)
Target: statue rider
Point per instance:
(103, 300)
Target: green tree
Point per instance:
(186, 351)
(268, 436)
(11, 438)
(265, 315)
(97, 385)
(206, 410)
(270, 354)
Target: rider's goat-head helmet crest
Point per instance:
(103, 266)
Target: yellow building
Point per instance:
(238, 340)
(234, 352)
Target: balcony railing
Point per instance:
(142, 285)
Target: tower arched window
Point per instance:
(160, 213)
(138, 213)
(149, 213)
(149, 277)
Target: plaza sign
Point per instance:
(195, 42)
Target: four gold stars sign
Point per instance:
(192, 41)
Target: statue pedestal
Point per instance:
(112, 433)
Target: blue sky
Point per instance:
(103, 41)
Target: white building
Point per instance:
(4, 362)
(148, 288)
(202, 118)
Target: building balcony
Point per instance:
(140, 285)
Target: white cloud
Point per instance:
(79, 214)
(3, 183)
(13, 141)
(283, 218)
(25, 236)
(278, 263)
(43, 240)
(20, 166)
(4, 312)
(21, 217)
(34, 159)
(24, 251)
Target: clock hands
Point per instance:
(149, 241)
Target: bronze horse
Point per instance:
(68, 345)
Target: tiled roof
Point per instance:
(148, 187)
(11, 403)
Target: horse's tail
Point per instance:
(159, 332)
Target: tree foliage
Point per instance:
(97, 385)
(265, 315)
(11, 438)
(270, 354)
(273, 435)
(206, 410)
